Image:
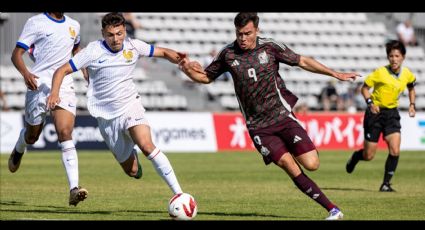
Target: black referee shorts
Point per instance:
(386, 121)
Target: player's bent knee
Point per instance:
(395, 152)
(312, 166)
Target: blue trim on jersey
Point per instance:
(55, 20)
(22, 45)
(151, 52)
(110, 50)
(73, 66)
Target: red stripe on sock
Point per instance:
(330, 206)
(155, 154)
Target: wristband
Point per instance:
(369, 101)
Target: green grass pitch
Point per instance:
(227, 186)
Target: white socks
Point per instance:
(164, 169)
(21, 145)
(70, 162)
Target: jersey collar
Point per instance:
(396, 75)
(55, 20)
(110, 50)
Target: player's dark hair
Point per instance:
(395, 45)
(113, 19)
(243, 18)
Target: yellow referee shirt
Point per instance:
(387, 86)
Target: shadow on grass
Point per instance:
(251, 215)
(348, 189)
(49, 209)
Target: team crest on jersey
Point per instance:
(72, 32)
(128, 55)
(263, 57)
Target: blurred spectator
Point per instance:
(406, 33)
(131, 24)
(3, 17)
(353, 100)
(301, 108)
(330, 99)
(359, 101)
(3, 102)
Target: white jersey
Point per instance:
(51, 43)
(111, 87)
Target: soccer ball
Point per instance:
(182, 206)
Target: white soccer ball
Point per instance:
(182, 206)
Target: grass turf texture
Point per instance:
(227, 186)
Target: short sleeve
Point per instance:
(82, 59)
(371, 78)
(217, 66)
(143, 48)
(284, 54)
(412, 78)
(29, 35)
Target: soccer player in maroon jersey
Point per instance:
(266, 103)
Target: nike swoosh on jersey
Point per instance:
(47, 35)
(102, 61)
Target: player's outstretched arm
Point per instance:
(314, 66)
(53, 99)
(194, 71)
(169, 54)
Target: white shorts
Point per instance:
(36, 107)
(115, 131)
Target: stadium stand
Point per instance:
(343, 41)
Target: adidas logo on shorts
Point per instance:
(297, 138)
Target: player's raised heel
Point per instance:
(77, 194)
(15, 160)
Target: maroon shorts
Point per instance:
(286, 136)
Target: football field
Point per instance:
(227, 186)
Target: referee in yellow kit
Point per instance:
(382, 115)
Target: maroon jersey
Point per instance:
(260, 90)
